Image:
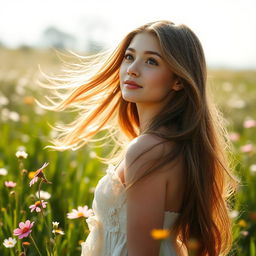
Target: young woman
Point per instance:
(172, 171)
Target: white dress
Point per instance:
(107, 226)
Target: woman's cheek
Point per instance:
(151, 77)
(121, 73)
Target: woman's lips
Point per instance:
(131, 85)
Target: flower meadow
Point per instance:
(46, 196)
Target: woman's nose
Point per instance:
(132, 70)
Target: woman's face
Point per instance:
(144, 65)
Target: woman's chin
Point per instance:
(129, 98)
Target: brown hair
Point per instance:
(199, 136)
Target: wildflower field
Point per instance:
(46, 196)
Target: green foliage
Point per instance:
(74, 175)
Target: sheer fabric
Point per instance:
(107, 226)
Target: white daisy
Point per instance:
(21, 154)
(80, 212)
(10, 242)
(3, 171)
(43, 195)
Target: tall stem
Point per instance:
(43, 215)
(35, 244)
(39, 188)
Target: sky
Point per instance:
(226, 28)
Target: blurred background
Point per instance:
(31, 31)
(226, 28)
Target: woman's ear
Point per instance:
(177, 86)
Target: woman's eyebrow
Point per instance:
(146, 52)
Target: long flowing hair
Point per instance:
(93, 88)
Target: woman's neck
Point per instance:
(146, 114)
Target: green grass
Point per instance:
(74, 175)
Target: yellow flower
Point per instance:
(242, 223)
(160, 233)
(31, 175)
(28, 100)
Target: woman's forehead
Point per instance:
(143, 42)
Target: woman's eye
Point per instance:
(152, 61)
(128, 56)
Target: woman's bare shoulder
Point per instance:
(144, 149)
(151, 144)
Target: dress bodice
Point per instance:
(109, 219)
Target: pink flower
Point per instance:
(37, 206)
(33, 181)
(10, 184)
(233, 136)
(24, 230)
(249, 123)
(39, 174)
(81, 212)
(244, 233)
(247, 148)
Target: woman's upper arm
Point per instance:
(145, 201)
